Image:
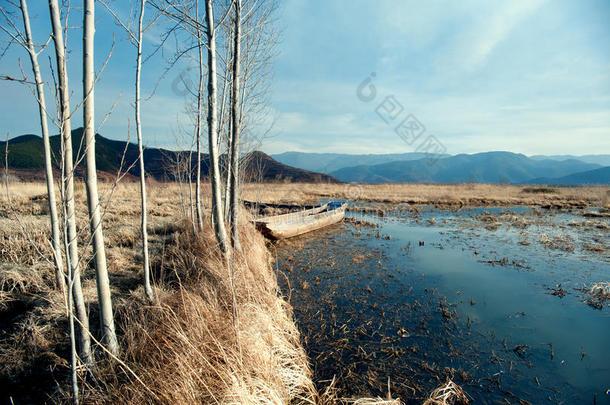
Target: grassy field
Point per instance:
(434, 194)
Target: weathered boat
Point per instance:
(297, 223)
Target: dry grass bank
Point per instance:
(435, 194)
(183, 347)
(188, 349)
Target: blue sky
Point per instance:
(528, 76)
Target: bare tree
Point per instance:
(183, 15)
(137, 40)
(217, 215)
(235, 130)
(71, 243)
(198, 120)
(253, 40)
(224, 122)
(145, 260)
(99, 252)
(25, 39)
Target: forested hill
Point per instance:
(26, 160)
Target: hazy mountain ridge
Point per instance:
(603, 160)
(330, 162)
(489, 167)
(333, 163)
(599, 176)
(25, 156)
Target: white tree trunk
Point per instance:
(235, 128)
(227, 205)
(68, 184)
(217, 215)
(42, 109)
(190, 179)
(99, 252)
(224, 126)
(145, 261)
(199, 125)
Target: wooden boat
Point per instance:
(298, 223)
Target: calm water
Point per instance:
(473, 304)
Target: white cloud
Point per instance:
(486, 33)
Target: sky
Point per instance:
(362, 76)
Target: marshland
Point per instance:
(284, 202)
(501, 289)
(501, 298)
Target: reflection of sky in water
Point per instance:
(506, 305)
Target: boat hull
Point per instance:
(300, 225)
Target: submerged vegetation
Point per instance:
(424, 295)
(600, 294)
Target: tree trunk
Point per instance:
(145, 261)
(190, 179)
(217, 216)
(227, 205)
(42, 109)
(198, 129)
(235, 128)
(68, 184)
(99, 252)
(73, 357)
(225, 121)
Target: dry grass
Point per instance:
(448, 394)
(189, 333)
(600, 289)
(185, 347)
(599, 294)
(433, 194)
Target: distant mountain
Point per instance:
(594, 177)
(489, 167)
(330, 162)
(603, 160)
(25, 157)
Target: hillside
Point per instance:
(26, 160)
(490, 167)
(597, 176)
(261, 165)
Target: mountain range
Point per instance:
(26, 160)
(488, 167)
(330, 162)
